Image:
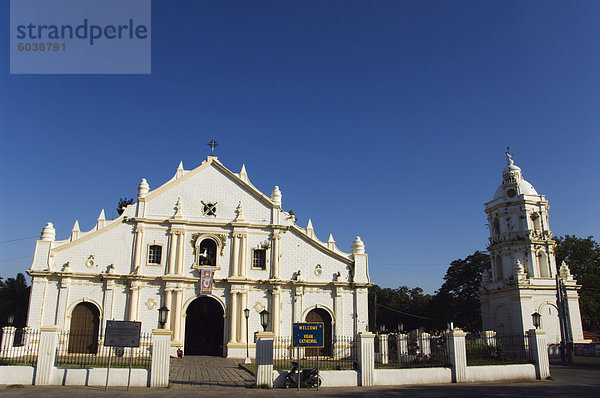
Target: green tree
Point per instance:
(14, 300)
(458, 298)
(122, 204)
(583, 257)
(409, 306)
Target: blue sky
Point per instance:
(384, 119)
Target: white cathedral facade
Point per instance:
(524, 274)
(153, 253)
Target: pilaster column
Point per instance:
(233, 306)
(275, 309)
(172, 252)
(339, 313)
(177, 315)
(298, 290)
(275, 257)
(168, 301)
(109, 294)
(134, 298)
(180, 250)
(235, 256)
(137, 255)
(244, 255)
(243, 305)
(63, 296)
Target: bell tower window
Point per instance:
(496, 226)
(207, 252)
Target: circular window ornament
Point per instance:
(90, 262)
(511, 193)
(318, 270)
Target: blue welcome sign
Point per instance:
(307, 334)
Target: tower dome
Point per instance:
(513, 183)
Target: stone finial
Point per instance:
(48, 232)
(519, 270)
(143, 188)
(240, 212)
(101, 220)
(75, 231)
(179, 172)
(111, 269)
(310, 231)
(564, 271)
(330, 242)
(276, 195)
(243, 174)
(178, 207)
(486, 277)
(358, 247)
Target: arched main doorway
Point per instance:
(320, 315)
(85, 324)
(204, 327)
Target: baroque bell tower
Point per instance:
(523, 275)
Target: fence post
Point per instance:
(264, 358)
(367, 358)
(402, 342)
(161, 360)
(538, 350)
(458, 355)
(46, 355)
(425, 344)
(8, 337)
(383, 348)
(490, 337)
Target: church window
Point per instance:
(498, 268)
(154, 254)
(496, 226)
(543, 264)
(209, 208)
(259, 258)
(207, 253)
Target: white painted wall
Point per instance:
(396, 377)
(500, 373)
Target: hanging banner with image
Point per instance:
(206, 281)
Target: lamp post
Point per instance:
(247, 315)
(163, 312)
(264, 319)
(400, 327)
(536, 319)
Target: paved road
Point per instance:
(567, 382)
(193, 371)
